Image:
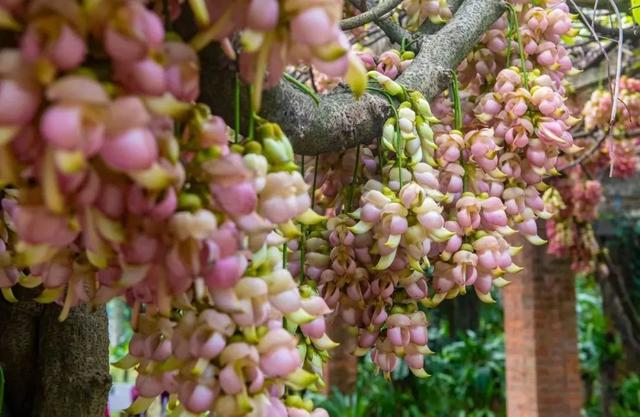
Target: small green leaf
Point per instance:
(635, 10)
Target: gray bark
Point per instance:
(54, 369)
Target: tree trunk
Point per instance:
(54, 369)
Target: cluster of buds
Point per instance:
(539, 27)
(575, 241)
(419, 11)
(118, 184)
(236, 353)
(620, 152)
(514, 135)
(334, 176)
(574, 201)
(622, 163)
(445, 200)
(581, 190)
(86, 165)
(597, 110)
(391, 63)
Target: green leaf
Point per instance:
(635, 10)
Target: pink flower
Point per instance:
(62, 46)
(278, 354)
(36, 225)
(133, 150)
(18, 102)
(468, 212)
(132, 32)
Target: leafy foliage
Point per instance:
(628, 398)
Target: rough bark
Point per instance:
(54, 369)
(340, 121)
(18, 354)
(73, 363)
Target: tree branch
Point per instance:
(370, 15)
(622, 4)
(394, 31)
(586, 155)
(340, 121)
(54, 369)
(73, 363)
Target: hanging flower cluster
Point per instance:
(597, 110)
(438, 196)
(390, 63)
(115, 182)
(571, 233)
(620, 152)
(516, 125)
(574, 203)
(419, 11)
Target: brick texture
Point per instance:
(543, 375)
(342, 369)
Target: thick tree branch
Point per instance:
(73, 363)
(370, 15)
(341, 122)
(53, 369)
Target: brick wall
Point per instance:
(543, 376)
(342, 369)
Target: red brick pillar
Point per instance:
(342, 369)
(543, 374)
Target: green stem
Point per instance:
(457, 104)
(252, 116)
(395, 113)
(399, 151)
(458, 119)
(315, 181)
(510, 36)
(302, 87)
(353, 180)
(284, 255)
(516, 25)
(236, 110)
(303, 232)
